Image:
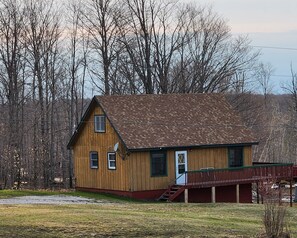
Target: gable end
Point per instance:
(94, 102)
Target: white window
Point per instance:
(99, 121)
(111, 159)
(94, 160)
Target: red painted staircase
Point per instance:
(172, 192)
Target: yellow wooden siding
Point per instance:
(141, 172)
(207, 158)
(197, 159)
(101, 178)
(247, 155)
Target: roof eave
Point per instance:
(191, 147)
(80, 125)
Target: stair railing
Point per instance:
(173, 181)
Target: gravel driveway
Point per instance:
(54, 199)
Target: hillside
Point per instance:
(273, 122)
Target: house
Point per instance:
(176, 147)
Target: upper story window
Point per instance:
(94, 159)
(99, 121)
(235, 156)
(158, 164)
(111, 160)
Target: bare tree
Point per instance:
(291, 88)
(76, 68)
(136, 36)
(167, 33)
(263, 74)
(212, 56)
(11, 65)
(291, 125)
(98, 19)
(42, 33)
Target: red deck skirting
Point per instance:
(199, 195)
(223, 194)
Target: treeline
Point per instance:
(55, 54)
(272, 118)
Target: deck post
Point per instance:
(258, 197)
(291, 196)
(279, 195)
(237, 193)
(213, 194)
(295, 192)
(186, 196)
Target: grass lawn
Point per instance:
(125, 218)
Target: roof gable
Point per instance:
(174, 120)
(91, 107)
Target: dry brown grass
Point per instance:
(129, 219)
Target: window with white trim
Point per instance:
(111, 160)
(99, 121)
(94, 160)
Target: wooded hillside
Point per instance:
(273, 121)
(55, 54)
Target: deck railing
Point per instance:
(208, 177)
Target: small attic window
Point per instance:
(99, 121)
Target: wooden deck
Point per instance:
(271, 173)
(241, 175)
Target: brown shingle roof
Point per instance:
(175, 120)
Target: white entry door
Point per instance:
(181, 165)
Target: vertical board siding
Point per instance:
(207, 158)
(197, 159)
(141, 172)
(101, 178)
(247, 156)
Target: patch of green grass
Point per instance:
(19, 193)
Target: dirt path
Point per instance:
(54, 199)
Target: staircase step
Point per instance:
(163, 199)
(171, 193)
(174, 189)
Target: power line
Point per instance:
(281, 75)
(274, 47)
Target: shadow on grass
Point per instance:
(105, 196)
(97, 196)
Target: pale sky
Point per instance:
(257, 15)
(268, 23)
